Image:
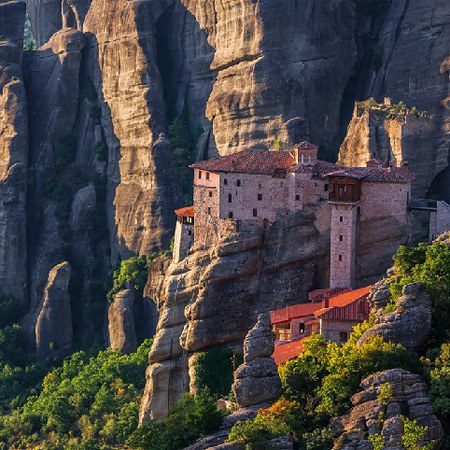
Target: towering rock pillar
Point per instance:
(13, 152)
(344, 198)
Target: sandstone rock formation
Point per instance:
(53, 91)
(417, 32)
(214, 297)
(122, 332)
(408, 138)
(53, 329)
(374, 414)
(142, 188)
(13, 152)
(410, 324)
(256, 380)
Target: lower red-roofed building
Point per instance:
(334, 317)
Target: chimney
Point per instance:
(374, 163)
(326, 300)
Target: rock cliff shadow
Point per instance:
(184, 58)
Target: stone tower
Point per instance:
(344, 197)
(184, 233)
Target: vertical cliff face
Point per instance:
(250, 80)
(53, 90)
(414, 67)
(394, 135)
(141, 184)
(13, 152)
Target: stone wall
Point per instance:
(332, 329)
(385, 200)
(183, 240)
(343, 244)
(440, 221)
(206, 201)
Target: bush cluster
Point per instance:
(85, 401)
(191, 418)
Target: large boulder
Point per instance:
(373, 413)
(122, 332)
(53, 329)
(409, 324)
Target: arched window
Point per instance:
(230, 198)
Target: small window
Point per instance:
(199, 174)
(340, 257)
(225, 181)
(255, 212)
(302, 328)
(341, 238)
(209, 211)
(238, 182)
(297, 197)
(230, 198)
(259, 186)
(210, 193)
(281, 184)
(230, 215)
(207, 175)
(326, 187)
(341, 219)
(190, 233)
(259, 197)
(343, 336)
(315, 184)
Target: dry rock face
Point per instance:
(251, 80)
(417, 31)
(372, 414)
(122, 332)
(54, 329)
(214, 296)
(372, 135)
(410, 324)
(13, 152)
(256, 380)
(141, 186)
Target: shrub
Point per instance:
(131, 272)
(214, 369)
(87, 398)
(385, 394)
(190, 418)
(413, 434)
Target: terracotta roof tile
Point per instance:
(185, 212)
(374, 174)
(249, 161)
(285, 352)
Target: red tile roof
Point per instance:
(375, 174)
(185, 212)
(357, 311)
(347, 297)
(253, 161)
(294, 312)
(285, 352)
(312, 308)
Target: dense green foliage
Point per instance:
(131, 272)
(29, 44)
(85, 401)
(429, 264)
(214, 369)
(191, 418)
(318, 385)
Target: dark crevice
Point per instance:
(368, 60)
